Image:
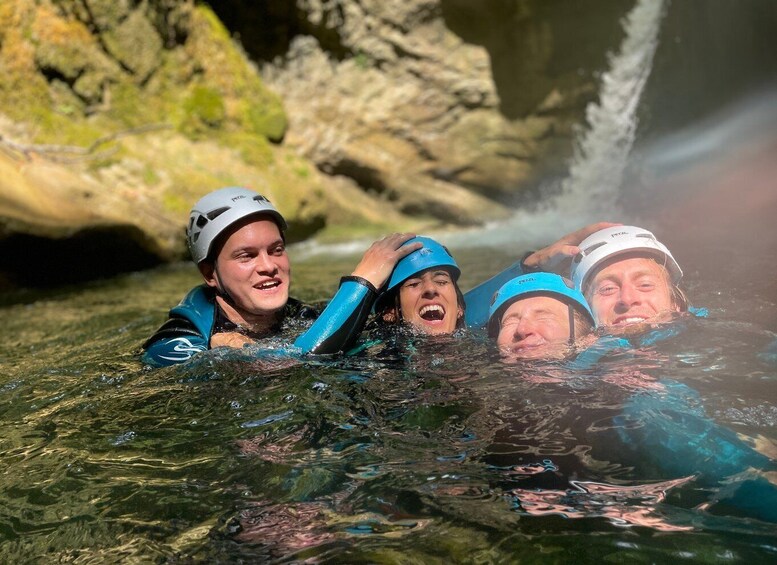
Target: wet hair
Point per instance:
(583, 323)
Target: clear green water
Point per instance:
(411, 456)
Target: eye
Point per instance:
(646, 285)
(412, 283)
(278, 250)
(243, 256)
(607, 289)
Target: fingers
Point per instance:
(556, 256)
(380, 259)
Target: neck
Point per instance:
(256, 323)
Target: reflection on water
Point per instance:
(436, 451)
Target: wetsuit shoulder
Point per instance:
(478, 299)
(186, 332)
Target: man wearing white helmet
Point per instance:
(628, 277)
(236, 239)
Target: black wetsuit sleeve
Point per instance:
(342, 321)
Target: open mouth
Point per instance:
(432, 313)
(268, 285)
(628, 320)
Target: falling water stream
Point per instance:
(433, 450)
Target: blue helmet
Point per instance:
(534, 284)
(431, 255)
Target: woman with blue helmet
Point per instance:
(538, 316)
(422, 291)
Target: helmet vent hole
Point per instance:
(593, 248)
(201, 221)
(260, 198)
(213, 214)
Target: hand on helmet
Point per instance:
(380, 259)
(557, 256)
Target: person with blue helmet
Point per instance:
(552, 258)
(538, 316)
(237, 240)
(423, 290)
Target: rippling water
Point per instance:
(435, 453)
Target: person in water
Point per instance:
(629, 278)
(551, 258)
(539, 316)
(423, 291)
(237, 240)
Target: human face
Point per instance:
(534, 328)
(429, 302)
(253, 268)
(634, 290)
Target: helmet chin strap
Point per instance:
(571, 325)
(220, 290)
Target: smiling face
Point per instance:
(630, 290)
(253, 269)
(534, 328)
(429, 302)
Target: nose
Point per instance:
(265, 264)
(627, 297)
(523, 329)
(429, 289)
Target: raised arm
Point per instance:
(554, 258)
(343, 320)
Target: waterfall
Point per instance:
(590, 191)
(601, 155)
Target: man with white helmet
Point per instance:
(539, 316)
(236, 239)
(628, 277)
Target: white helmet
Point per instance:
(618, 240)
(218, 210)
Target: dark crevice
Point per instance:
(41, 262)
(367, 178)
(266, 29)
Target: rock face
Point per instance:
(116, 116)
(386, 93)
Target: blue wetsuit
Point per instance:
(478, 300)
(669, 429)
(197, 317)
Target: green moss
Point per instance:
(268, 120)
(150, 176)
(174, 202)
(203, 111)
(254, 149)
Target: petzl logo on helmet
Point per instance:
(238, 197)
(619, 233)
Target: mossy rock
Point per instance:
(203, 111)
(136, 44)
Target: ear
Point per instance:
(390, 316)
(208, 271)
(459, 313)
